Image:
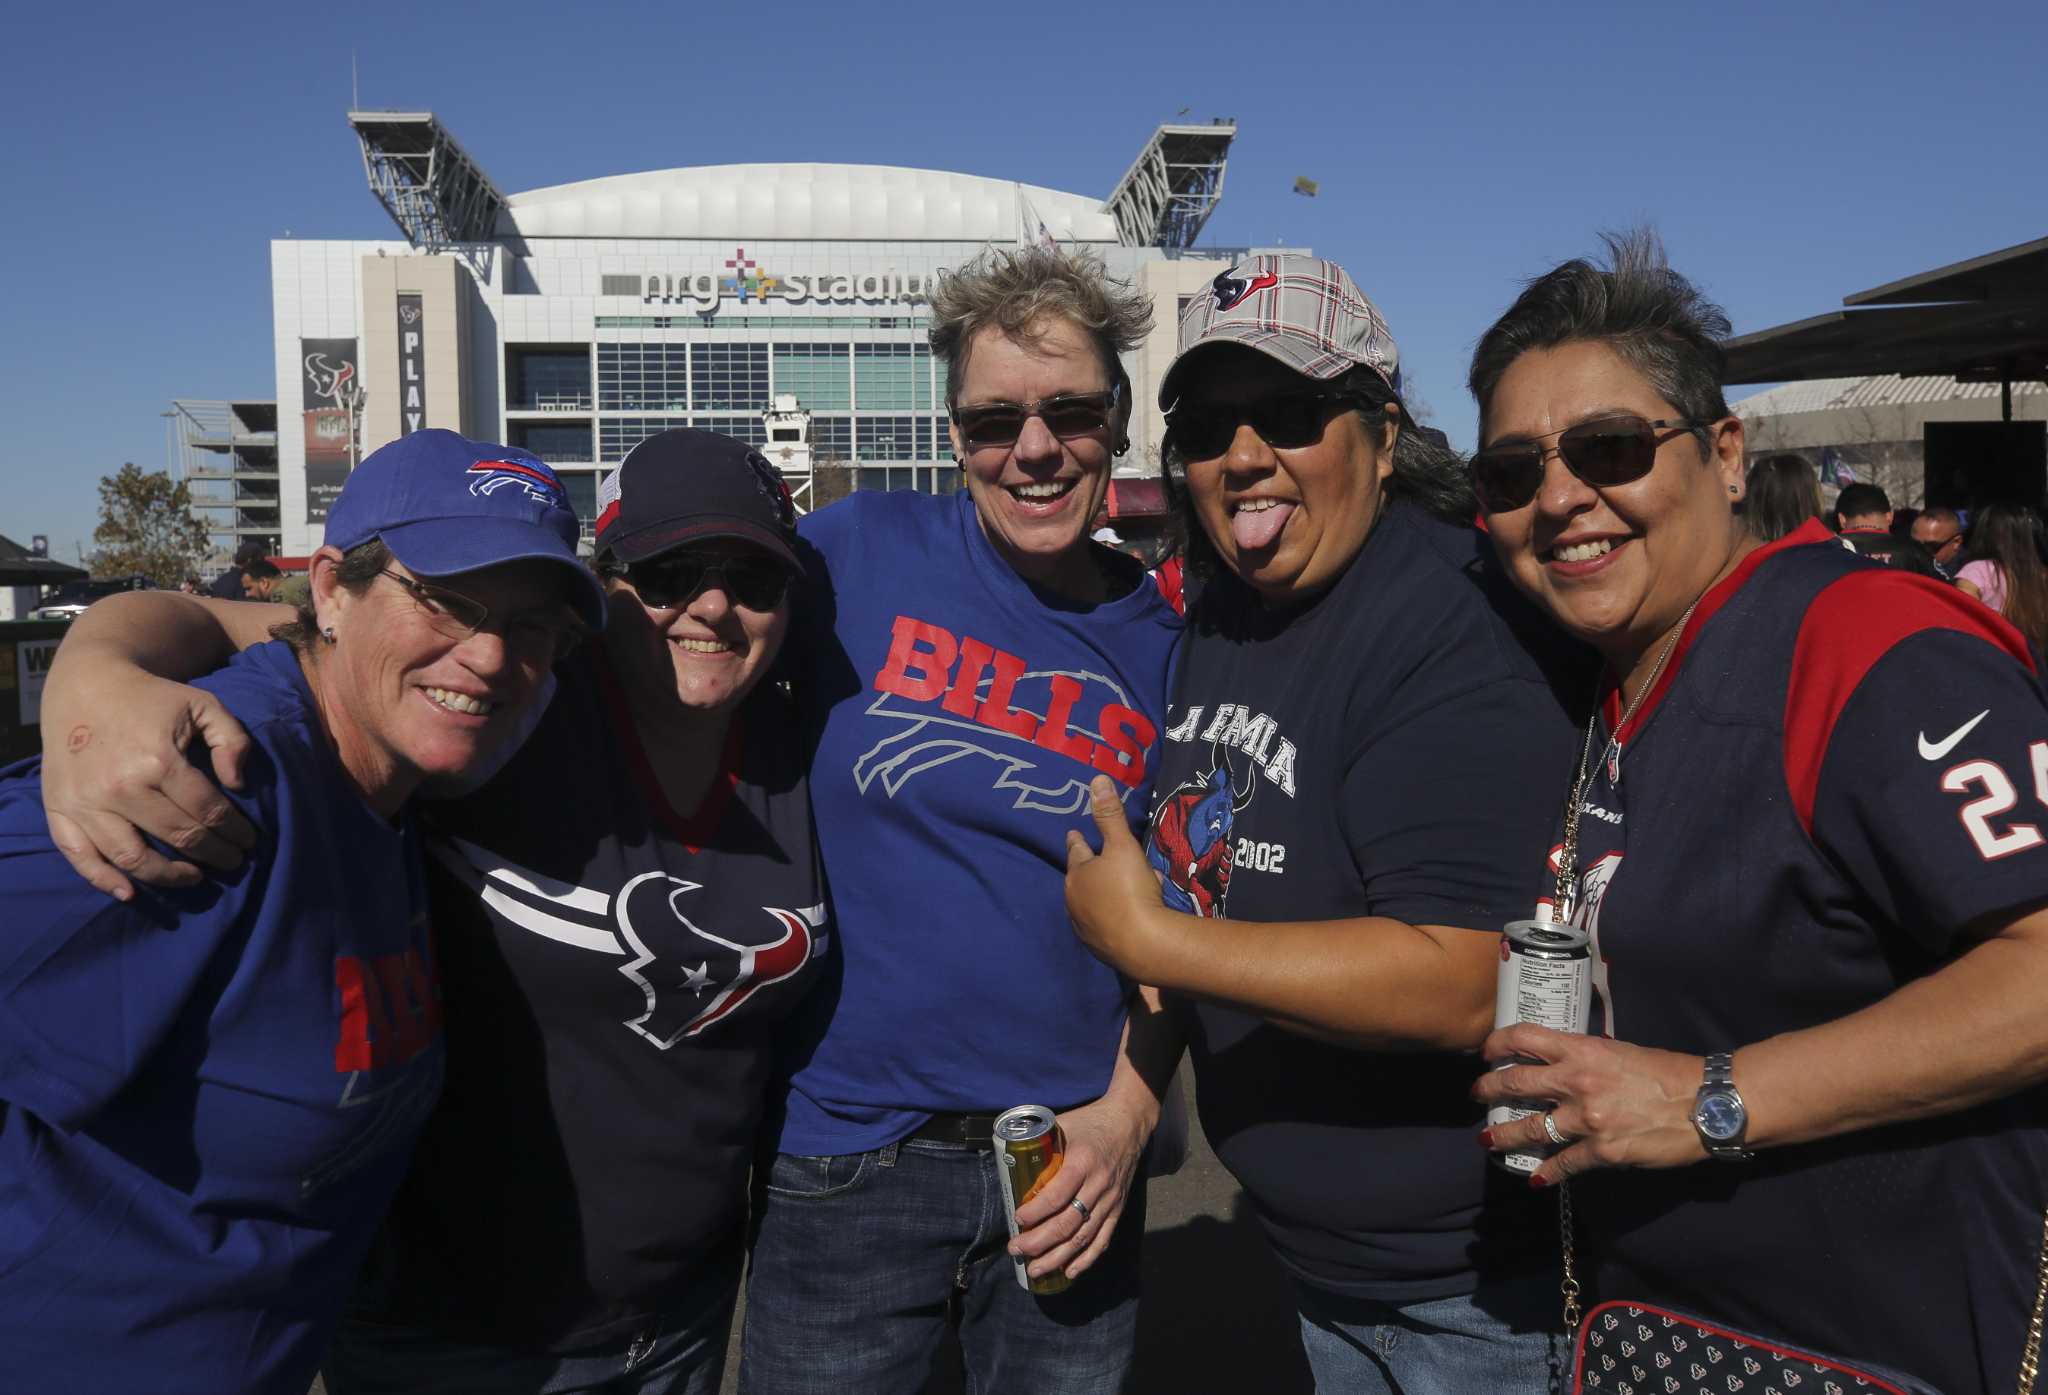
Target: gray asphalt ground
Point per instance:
(1215, 1315)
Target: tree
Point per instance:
(146, 525)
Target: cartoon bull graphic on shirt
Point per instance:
(1190, 844)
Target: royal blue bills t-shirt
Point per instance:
(959, 714)
(1838, 785)
(1393, 748)
(207, 1096)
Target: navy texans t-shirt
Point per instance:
(1393, 748)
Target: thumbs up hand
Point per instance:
(1113, 893)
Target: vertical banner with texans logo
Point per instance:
(412, 365)
(329, 395)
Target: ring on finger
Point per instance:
(1552, 1132)
(1081, 1206)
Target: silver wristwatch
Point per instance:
(1719, 1113)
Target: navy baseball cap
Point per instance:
(445, 504)
(689, 485)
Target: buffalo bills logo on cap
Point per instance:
(1229, 290)
(487, 477)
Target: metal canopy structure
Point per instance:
(1172, 187)
(20, 567)
(438, 196)
(1982, 320)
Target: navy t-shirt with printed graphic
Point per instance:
(959, 714)
(1394, 748)
(1839, 785)
(616, 974)
(208, 1095)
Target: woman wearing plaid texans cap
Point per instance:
(1362, 741)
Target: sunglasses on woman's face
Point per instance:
(1610, 451)
(674, 579)
(1285, 422)
(1070, 414)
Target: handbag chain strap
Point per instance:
(2030, 1354)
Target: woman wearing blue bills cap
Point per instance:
(626, 912)
(208, 1093)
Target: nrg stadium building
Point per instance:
(782, 303)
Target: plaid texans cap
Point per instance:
(689, 485)
(1303, 311)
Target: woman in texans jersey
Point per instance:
(208, 1093)
(1810, 853)
(626, 914)
(1355, 668)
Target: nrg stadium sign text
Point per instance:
(745, 281)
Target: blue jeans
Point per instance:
(1506, 1339)
(860, 1262)
(682, 1354)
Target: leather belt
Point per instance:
(968, 1129)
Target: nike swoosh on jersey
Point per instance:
(1935, 750)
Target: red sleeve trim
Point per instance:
(1848, 628)
(692, 830)
(1812, 531)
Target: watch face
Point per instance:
(1720, 1117)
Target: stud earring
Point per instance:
(327, 633)
(1731, 489)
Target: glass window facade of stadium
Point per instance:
(877, 405)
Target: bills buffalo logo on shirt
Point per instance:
(690, 977)
(1044, 732)
(487, 477)
(1230, 290)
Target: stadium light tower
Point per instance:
(438, 196)
(1172, 187)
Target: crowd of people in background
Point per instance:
(1993, 553)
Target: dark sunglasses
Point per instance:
(1066, 416)
(675, 578)
(1286, 422)
(1610, 451)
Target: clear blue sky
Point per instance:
(1789, 153)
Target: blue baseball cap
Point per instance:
(445, 504)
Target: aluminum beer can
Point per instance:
(1546, 977)
(1031, 1147)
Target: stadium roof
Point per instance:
(798, 202)
(1885, 390)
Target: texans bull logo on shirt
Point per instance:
(960, 698)
(689, 977)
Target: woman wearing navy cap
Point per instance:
(208, 1094)
(625, 913)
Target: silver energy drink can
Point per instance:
(1031, 1148)
(1546, 977)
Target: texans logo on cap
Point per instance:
(540, 484)
(776, 489)
(1230, 290)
